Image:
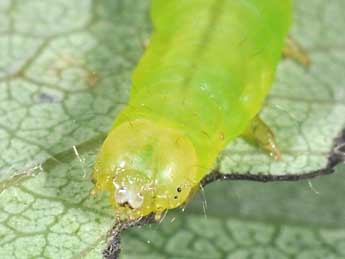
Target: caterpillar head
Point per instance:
(146, 168)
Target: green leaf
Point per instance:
(53, 215)
(65, 71)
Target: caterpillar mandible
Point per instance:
(200, 83)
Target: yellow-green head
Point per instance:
(146, 167)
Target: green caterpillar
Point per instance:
(200, 83)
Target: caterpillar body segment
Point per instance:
(200, 83)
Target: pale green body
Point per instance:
(210, 65)
(207, 70)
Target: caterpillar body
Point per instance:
(200, 83)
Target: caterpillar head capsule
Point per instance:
(146, 168)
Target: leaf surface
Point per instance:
(65, 71)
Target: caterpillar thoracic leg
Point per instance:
(296, 52)
(260, 134)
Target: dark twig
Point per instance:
(336, 156)
(113, 248)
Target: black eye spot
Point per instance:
(179, 189)
(175, 197)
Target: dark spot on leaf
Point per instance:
(46, 98)
(92, 79)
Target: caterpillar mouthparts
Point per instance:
(128, 196)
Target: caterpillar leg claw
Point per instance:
(296, 52)
(260, 134)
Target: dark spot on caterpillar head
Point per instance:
(175, 197)
(179, 189)
(126, 205)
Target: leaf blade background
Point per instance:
(59, 88)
